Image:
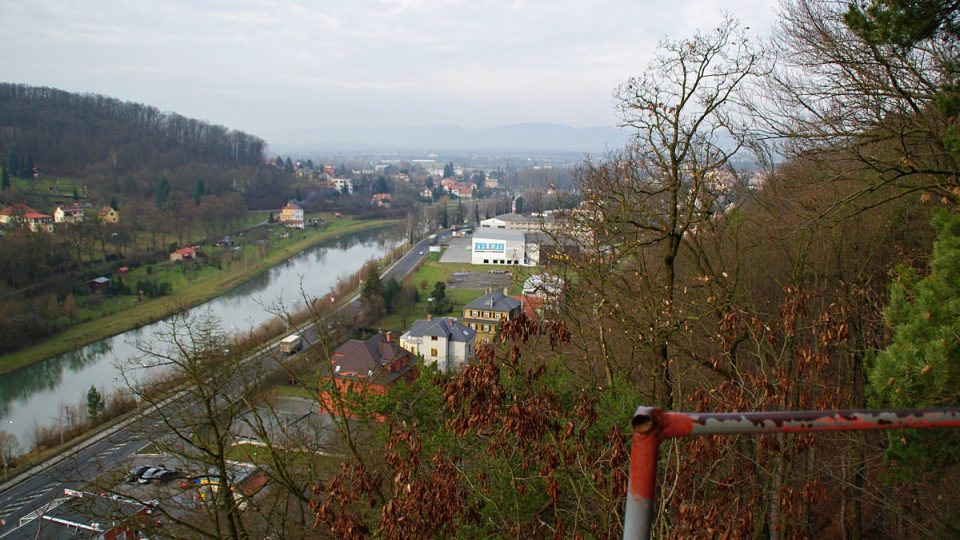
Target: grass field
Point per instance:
(431, 272)
(109, 318)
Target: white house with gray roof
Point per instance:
(443, 341)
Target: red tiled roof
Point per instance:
(358, 358)
(18, 208)
(530, 304)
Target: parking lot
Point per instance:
(458, 250)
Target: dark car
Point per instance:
(148, 475)
(165, 475)
(136, 472)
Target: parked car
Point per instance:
(165, 475)
(148, 475)
(420, 253)
(135, 472)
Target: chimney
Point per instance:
(506, 291)
(429, 317)
(389, 337)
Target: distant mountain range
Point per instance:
(513, 137)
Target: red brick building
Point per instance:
(369, 367)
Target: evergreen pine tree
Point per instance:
(94, 403)
(4, 180)
(163, 191)
(921, 365)
(27, 168)
(199, 192)
(13, 162)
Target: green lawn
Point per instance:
(105, 318)
(433, 271)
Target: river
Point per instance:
(34, 395)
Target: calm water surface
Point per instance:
(33, 395)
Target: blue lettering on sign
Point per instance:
(498, 247)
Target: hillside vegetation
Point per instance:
(79, 134)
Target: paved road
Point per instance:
(34, 488)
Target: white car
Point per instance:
(420, 253)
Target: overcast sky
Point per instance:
(276, 68)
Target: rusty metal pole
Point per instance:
(651, 426)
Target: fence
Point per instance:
(651, 426)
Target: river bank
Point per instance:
(195, 293)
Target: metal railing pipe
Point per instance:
(651, 426)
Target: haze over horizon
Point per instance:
(288, 70)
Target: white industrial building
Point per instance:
(499, 246)
(521, 222)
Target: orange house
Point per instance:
(368, 367)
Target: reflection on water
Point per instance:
(32, 395)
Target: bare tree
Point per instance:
(9, 447)
(883, 112)
(643, 206)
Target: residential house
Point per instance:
(340, 184)
(463, 190)
(443, 341)
(381, 200)
(485, 314)
(108, 215)
(369, 367)
(291, 215)
(183, 254)
(98, 283)
(68, 214)
(543, 285)
(25, 216)
(531, 306)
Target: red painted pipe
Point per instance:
(651, 426)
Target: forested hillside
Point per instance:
(80, 133)
(128, 150)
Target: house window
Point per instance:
(486, 261)
(433, 338)
(433, 352)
